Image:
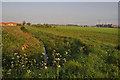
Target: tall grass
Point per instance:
(73, 52)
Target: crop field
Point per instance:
(60, 52)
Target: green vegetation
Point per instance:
(0, 53)
(44, 26)
(72, 52)
(24, 29)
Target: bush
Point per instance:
(24, 29)
(44, 26)
(72, 68)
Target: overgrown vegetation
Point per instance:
(24, 29)
(44, 26)
(72, 52)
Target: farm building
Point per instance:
(106, 25)
(2, 24)
(10, 24)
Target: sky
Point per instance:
(81, 13)
(59, 0)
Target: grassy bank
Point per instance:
(73, 52)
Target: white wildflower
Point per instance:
(54, 61)
(12, 57)
(58, 59)
(18, 57)
(12, 66)
(15, 53)
(22, 65)
(43, 53)
(66, 52)
(12, 62)
(58, 66)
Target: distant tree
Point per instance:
(28, 24)
(24, 23)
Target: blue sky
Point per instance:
(61, 12)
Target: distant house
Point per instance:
(10, 24)
(2, 24)
(105, 25)
(115, 26)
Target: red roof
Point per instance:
(115, 26)
(10, 23)
(2, 23)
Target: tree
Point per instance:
(28, 24)
(24, 23)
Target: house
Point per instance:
(10, 24)
(2, 24)
(105, 25)
(115, 26)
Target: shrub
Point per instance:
(24, 29)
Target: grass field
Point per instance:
(72, 52)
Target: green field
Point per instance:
(73, 52)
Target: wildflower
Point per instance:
(15, 53)
(41, 56)
(34, 60)
(22, 65)
(23, 48)
(60, 55)
(25, 55)
(69, 50)
(12, 57)
(28, 71)
(12, 62)
(64, 59)
(45, 67)
(26, 58)
(53, 50)
(45, 63)
(54, 61)
(53, 54)
(18, 57)
(58, 66)
(66, 52)
(29, 61)
(57, 54)
(58, 59)
(43, 53)
(9, 71)
(12, 66)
